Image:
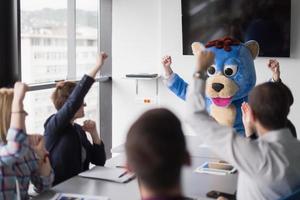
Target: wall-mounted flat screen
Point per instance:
(266, 21)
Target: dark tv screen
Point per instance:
(266, 21)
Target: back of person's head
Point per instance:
(6, 97)
(156, 149)
(270, 103)
(62, 92)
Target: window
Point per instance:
(86, 35)
(47, 30)
(42, 22)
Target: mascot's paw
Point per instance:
(224, 115)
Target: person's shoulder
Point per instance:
(48, 119)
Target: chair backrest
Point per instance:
(294, 196)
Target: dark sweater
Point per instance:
(64, 141)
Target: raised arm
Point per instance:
(274, 66)
(174, 82)
(65, 114)
(17, 143)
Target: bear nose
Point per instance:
(217, 86)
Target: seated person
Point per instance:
(269, 166)
(20, 163)
(156, 151)
(70, 151)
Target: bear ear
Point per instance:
(253, 46)
(197, 47)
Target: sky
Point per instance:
(30, 5)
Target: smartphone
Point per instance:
(215, 194)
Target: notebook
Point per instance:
(66, 196)
(107, 173)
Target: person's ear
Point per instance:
(187, 159)
(253, 47)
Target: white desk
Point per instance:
(194, 185)
(195, 148)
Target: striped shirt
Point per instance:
(19, 162)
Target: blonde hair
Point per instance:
(6, 97)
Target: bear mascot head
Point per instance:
(230, 78)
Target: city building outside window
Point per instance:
(45, 38)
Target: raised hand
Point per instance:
(100, 59)
(246, 118)
(167, 61)
(274, 66)
(99, 63)
(20, 90)
(17, 110)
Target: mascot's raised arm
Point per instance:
(230, 79)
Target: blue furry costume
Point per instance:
(229, 80)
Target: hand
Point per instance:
(20, 90)
(167, 61)
(273, 65)
(100, 60)
(197, 47)
(246, 118)
(34, 139)
(89, 126)
(204, 60)
(37, 143)
(99, 63)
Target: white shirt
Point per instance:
(269, 167)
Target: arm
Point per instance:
(70, 107)
(43, 177)
(97, 150)
(17, 143)
(175, 83)
(75, 100)
(243, 153)
(274, 66)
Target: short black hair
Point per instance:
(156, 149)
(271, 103)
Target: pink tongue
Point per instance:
(222, 102)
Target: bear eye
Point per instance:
(211, 70)
(230, 70)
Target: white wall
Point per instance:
(144, 31)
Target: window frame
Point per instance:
(104, 44)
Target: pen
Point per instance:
(123, 174)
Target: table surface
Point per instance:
(195, 185)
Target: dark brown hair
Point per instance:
(271, 103)
(62, 92)
(156, 149)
